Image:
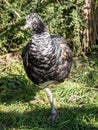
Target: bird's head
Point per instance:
(34, 22)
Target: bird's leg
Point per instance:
(53, 111)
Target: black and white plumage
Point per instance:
(46, 57)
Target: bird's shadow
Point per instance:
(16, 88)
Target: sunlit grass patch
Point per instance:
(24, 106)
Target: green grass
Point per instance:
(24, 106)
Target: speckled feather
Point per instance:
(45, 57)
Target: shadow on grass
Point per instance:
(69, 119)
(16, 88)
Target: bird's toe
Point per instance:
(52, 117)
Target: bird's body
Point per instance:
(45, 57)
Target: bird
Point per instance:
(46, 58)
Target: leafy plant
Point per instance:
(61, 17)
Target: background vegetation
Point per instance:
(61, 17)
(23, 105)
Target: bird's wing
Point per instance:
(66, 52)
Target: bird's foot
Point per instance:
(52, 117)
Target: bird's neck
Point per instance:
(39, 28)
(39, 31)
(43, 37)
(42, 43)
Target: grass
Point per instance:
(24, 106)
